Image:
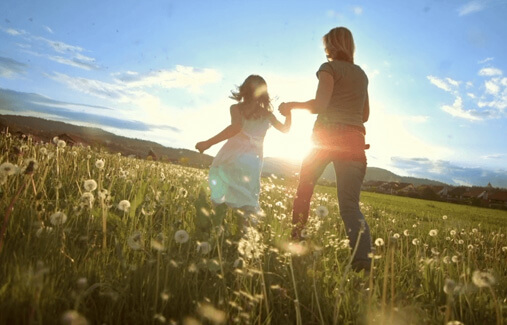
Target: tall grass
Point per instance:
(112, 255)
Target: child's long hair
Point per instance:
(254, 90)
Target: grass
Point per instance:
(111, 264)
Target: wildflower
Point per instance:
(238, 263)
(43, 151)
(444, 217)
(160, 318)
(461, 241)
(406, 233)
(504, 249)
(304, 233)
(61, 144)
(87, 199)
(483, 279)
(416, 241)
(72, 317)
(453, 232)
(455, 259)
(204, 248)
(216, 316)
(8, 169)
(90, 185)
(82, 283)
(58, 218)
(434, 251)
(446, 260)
(135, 240)
(99, 163)
(379, 242)
(181, 236)
(55, 140)
(124, 205)
(158, 244)
(433, 232)
(449, 286)
(470, 247)
(322, 211)
(396, 236)
(103, 194)
(454, 322)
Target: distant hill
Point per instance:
(285, 168)
(45, 130)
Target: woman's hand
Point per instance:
(285, 108)
(202, 146)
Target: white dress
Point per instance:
(234, 175)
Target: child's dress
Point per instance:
(234, 175)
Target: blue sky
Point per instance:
(163, 71)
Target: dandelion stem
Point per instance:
(8, 214)
(296, 302)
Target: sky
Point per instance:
(164, 71)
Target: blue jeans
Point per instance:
(349, 178)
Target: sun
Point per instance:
(294, 145)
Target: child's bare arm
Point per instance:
(282, 127)
(228, 132)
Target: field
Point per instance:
(89, 237)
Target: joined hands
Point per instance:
(285, 108)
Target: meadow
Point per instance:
(90, 237)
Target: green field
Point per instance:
(84, 243)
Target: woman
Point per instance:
(341, 104)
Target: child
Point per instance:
(234, 176)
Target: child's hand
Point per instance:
(284, 109)
(202, 146)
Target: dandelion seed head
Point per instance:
(433, 232)
(87, 199)
(322, 211)
(204, 248)
(444, 217)
(99, 163)
(483, 279)
(455, 259)
(8, 169)
(181, 236)
(58, 218)
(406, 233)
(124, 205)
(135, 241)
(416, 241)
(449, 286)
(90, 185)
(61, 144)
(72, 317)
(216, 316)
(379, 242)
(452, 232)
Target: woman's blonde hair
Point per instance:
(254, 90)
(339, 44)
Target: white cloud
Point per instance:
(461, 182)
(181, 77)
(48, 29)
(357, 10)
(486, 60)
(443, 84)
(492, 87)
(67, 54)
(469, 8)
(490, 72)
(10, 68)
(457, 110)
(491, 99)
